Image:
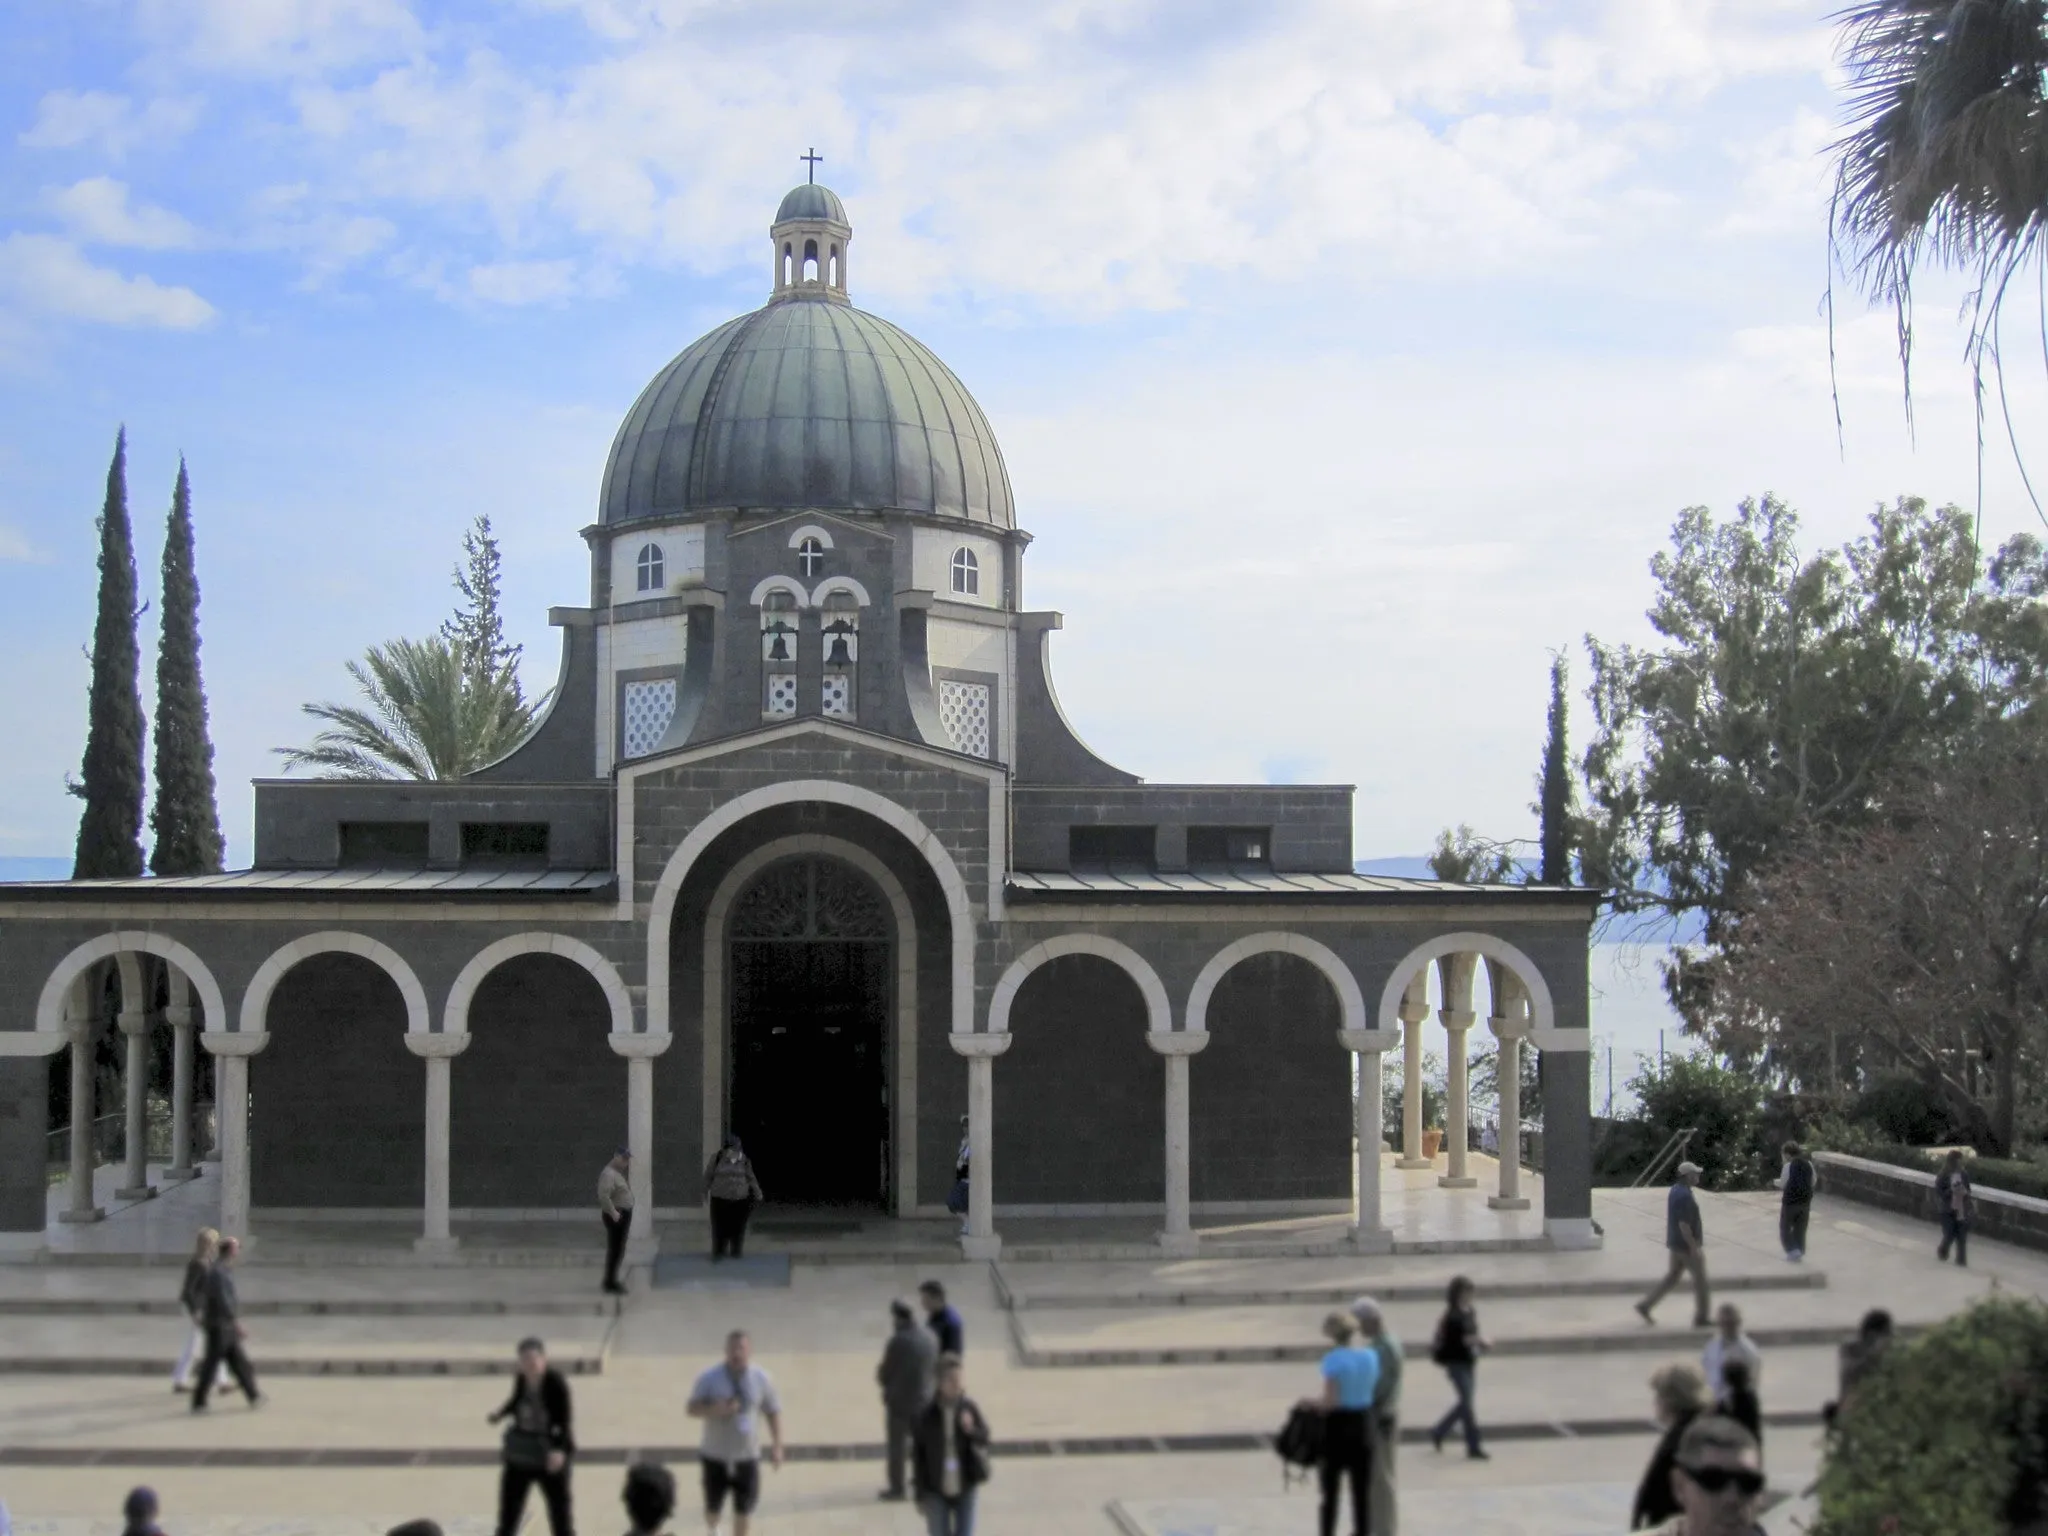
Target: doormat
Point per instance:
(820, 1226)
(697, 1272)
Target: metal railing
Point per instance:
(1666, 1159)
(110, 1137)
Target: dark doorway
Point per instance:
(810, 945)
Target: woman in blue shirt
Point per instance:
(1351, 1377)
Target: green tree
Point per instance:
(423, 717)
(1720, 1105)
(1463, 857)
(110, 780)
(184, 817)
(477, 630)
(1554, 789)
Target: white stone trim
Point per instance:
(1158, 1008)
(811, 531)
(903, 1055)
(256, 1000)
(662, 909)
(787, 584)
(1321, 956)
(127, 941)
(833, 584)
(455, 1017)
(1540, 1011)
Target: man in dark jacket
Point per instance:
(222, 1319)
(538, 1442)
(949, 1454)
(1685, 1238)
(905, 1376)
(944, 1319)
(1795, 1207)
(1952, 1205)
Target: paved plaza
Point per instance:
(1125, 1395)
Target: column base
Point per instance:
(22, 1247)
(82, 1218)
(136, 1192)
(1447, 1182)
(1572, 1233)
(1179, 1245)
(1415, 1162)
(642, 1250)
(178, 1175)
(1507, 1203)
(990, 1247)
(436, 1247)
(1372, 1240)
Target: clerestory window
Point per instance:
(648, 568)
(966, 572)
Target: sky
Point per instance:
(1349, 359)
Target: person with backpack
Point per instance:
(732, 1191)
(1457, 1347)
(1351, 1378)
(1952, 1204)
(537, 1443)
(1795, 1204)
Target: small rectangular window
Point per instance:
(1112, 848)
(383, 844)
(519, 843)
(1227, 847)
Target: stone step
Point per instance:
(114, 1306)
(1342, 1295)
(297, 1365)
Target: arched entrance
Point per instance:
(811, 961)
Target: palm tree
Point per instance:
(426, 716)
(1946, 153)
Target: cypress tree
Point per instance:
(1554, 789)
(184, 818)
(110, 781)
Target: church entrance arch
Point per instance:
(810, 953)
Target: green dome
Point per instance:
(807, 403)
(811, 201)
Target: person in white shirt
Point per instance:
(1729, 1343)
(732, 1398)
(615, 1207)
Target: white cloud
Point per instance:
(522, 282)
(51, 276)
(107, 122)
(14, 545)
(281, 37)
(98, 212)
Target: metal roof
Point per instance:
(1265, 885)
(440, 884)
(811, 201)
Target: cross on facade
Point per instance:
(812, 160)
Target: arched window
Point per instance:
(810, 261)
(810, 559)
(788, 264)
(647, 568)
(966, 572)
(832, 273)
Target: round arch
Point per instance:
(787, 584)
(1542, 1015)
(455, 1017)
(50, 1005)
(1158, 1009)
(845, 584)
(662, 908)
(1349, 998)
(256, 1001)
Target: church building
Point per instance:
(803, 849)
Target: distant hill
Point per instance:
(1414, 868)
(14, 867)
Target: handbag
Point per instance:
(956, 1198)
(1300, 1442)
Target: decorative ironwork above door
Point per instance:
(810, 898)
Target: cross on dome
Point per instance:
(813, 160)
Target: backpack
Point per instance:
(1440, 1348)
(1300, 1442)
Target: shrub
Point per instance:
(1945, 1437)
(1905, 1110)
(1722, 1106)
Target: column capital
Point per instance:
(133, 1021)
(1176, 1042)
(1506, 1029)
(234, 1042)
(82, 1031)
(1459, 1019)
(1412, 1013)
(435, 1047)
(181, 1015)
(641, 1047)
(983, 1044)
(1371, 1041)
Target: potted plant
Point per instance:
(1432, 1140)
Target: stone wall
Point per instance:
(2010, 1218)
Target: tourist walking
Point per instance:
(1685, 1238)
(224, 1332)
(1457, 1347)
(192, 1297)
(615, 1209)
(1716, 1480)
(538, 1443)
(949, 1461)
(139, 1513)
(1386, 1412)
(649, 1497)
(733, 1192)
(1679, 1393)
(1952, 1203)
(943, 1318)
(957, 1196)
(907, 1379)
(732, 1398)
(1795, 1202)
(1729, 1344)
(1351, 1378)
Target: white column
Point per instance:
(1510, 1023)
(1368, 1229)
(81, 1029)
(1175, 1046)
(179, 1014)
(134, 1024)
(640, 1051)
(1414, 1010)
(232, 1049)
(1458, 1018)
(981, 1051)
(437, 1051)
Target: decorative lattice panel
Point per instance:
(964, 712)
(838, 694)
(810, 899)
(646, 709)
(782, 693)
